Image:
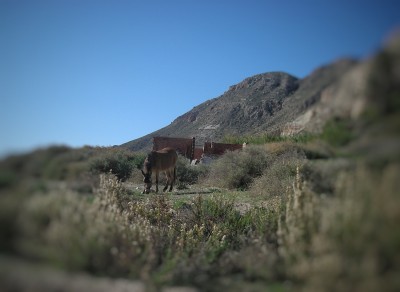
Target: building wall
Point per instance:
(198, 152)
(185, 147)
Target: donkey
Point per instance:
(162, 160)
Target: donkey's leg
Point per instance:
(167, 176)
(156, 181)
(172, 179)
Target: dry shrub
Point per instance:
(346, 241)
(321, 175)
(315, 149)
(277, 148)
(78, 234)
(357, 245)
(297, 225)
(276, 178)
(318, 149)
(236, 170)
(349, 242)
(118, 161)
(279, 173)
(188, 174)
(136, 176)
(285, 157)
(265, 170)
(116, 233)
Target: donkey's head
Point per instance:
(147, 182)
(146, 171)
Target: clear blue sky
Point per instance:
(106, 72)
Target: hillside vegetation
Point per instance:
(314, 212)
(262, 104)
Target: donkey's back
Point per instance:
(164, 159)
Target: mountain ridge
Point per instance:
(263, 103)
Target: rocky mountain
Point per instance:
(275, 103)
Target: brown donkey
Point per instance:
(156, 161)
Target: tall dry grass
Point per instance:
(120, 234)
(322, 225)
(349, 242)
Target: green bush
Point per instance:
(117, 234)
(261, 139)
(66, 229)
(348, 240)
(7, 178)
(120, 162)
(276, 178)
(54, 163)
(338, 132)
(188, 174)
(383, 89)
(266, 169)
(321, 224)
(236, 170)
(69, 165)
(33, 164)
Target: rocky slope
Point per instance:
(275, 103)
